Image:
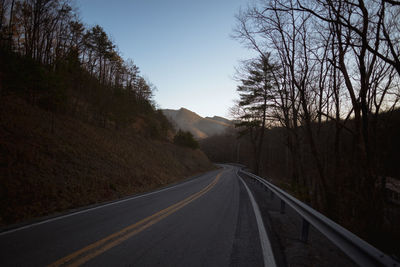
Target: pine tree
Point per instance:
(255, 93)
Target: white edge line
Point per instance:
(94, 208)
(268, 255)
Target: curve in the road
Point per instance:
(89, 252)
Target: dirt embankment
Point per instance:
(50, 163)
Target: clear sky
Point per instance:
(182, 46)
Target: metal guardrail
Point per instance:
(357, 249)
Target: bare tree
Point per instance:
(338, 61)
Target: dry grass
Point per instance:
(43, 172)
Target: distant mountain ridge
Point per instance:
(200, 127)
(220, 119)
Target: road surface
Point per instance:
(209, 220)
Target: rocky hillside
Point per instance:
(200, 127)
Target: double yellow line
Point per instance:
(87, 253)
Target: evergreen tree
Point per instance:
(255, 93)
(186, 139)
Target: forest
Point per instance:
(318, 108)
(74, 69)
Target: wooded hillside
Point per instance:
(78, 124)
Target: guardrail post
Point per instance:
(304, 231)
(283, 207)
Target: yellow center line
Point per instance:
(77, 258)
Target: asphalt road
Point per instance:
(206, 221)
